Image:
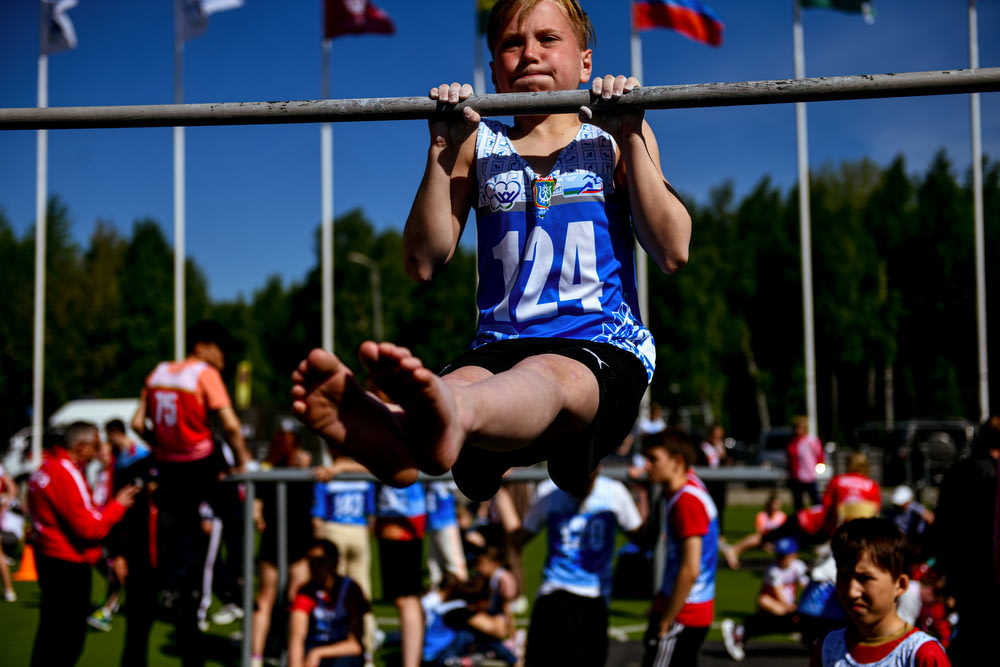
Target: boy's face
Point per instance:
(868, 593)
(540, 52)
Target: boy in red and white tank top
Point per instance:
(871, 576)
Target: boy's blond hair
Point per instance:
(505, 11)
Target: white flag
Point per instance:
(191, 16)
(57, 32)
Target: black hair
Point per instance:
(884, 543)
(208, 331)
(79, 431)
(114, 426)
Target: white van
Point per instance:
(18, 461)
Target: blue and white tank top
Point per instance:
(834, 653)
(582, 536)
(344, 501)
(438, 635)
(329, 621)
(556, 252)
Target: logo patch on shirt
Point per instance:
(575, 185)
(543, 188)
(503, 194)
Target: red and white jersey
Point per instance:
(850, 496)
(911, 648)
(179, 397)
(66, 524)
(786, 582)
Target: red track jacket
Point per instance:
(66, 524)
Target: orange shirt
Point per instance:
(180, 395)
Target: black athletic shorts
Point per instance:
(621, 381)
(402, 568)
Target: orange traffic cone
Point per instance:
(27, 571)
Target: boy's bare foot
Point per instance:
(434, 432)
(328, 399)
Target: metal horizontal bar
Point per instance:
(862, 86)
(532, 474)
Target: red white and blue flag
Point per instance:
(691, 18)
(355, 17)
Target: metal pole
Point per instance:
(979, 225)
(249, 531)
(688, 96)
(805, 225)
(641, 259)
(179, 205)
(41, 239)
(326, 223)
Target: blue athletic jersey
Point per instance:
(329, 621)
(438, 635)
(350, 502)
(582, 536)
(442, 510)
(556, 253)
(407, 503)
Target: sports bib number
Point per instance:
(578, 279)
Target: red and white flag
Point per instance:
(354, 17)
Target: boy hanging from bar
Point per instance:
(561, 357)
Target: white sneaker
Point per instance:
(203, 624)
(227, 614)
(520, 605)
(10, 596)
(732, 637)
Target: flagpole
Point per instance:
(478, 73)
(805, 223)
(977, 195)
(326, 225)
(41, 236)
(641, 259)
(179, 199)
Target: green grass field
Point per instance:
(735, 594)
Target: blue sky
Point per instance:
(253, 192)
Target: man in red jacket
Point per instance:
(67, 534)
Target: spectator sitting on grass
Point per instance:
(776, 602)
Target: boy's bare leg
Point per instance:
(328, 399)
(542, 395)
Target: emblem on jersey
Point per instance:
(575, 185)
(543, 188)
(503, 195)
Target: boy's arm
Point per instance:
(444, 197)
(662, 223)
(690, 549)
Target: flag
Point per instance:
(863, 7)
(191, 16)
(57, 30)
(483, 9)
(691, 18)
(355, 17)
